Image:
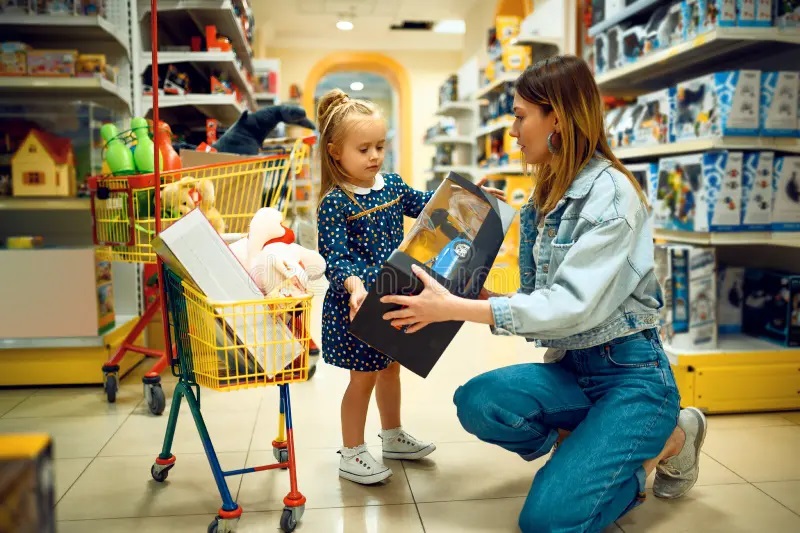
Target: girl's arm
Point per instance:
(413, 200)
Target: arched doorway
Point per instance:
(377, 64)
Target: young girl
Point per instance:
(360, 222)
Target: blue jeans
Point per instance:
(621, 404)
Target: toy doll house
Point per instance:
(43, 165)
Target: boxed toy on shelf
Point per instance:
(757, 191)
(772, 306)
(780, 92)
(646, 175)
(786, 193)
(654, 122)
(755, 13)
(730, 298)
(786, 13)
(700, 192)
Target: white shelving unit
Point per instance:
(715, 143)
(789, 239)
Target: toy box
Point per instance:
(615, 36)
(27, 483)
(700, 192)
(669, 31)
(780, 92)
(13, 60)
(723, 103)
(720, 13)
(59, 63)
(654, 124)
(456, 239)
(687, 275)
(786, 13)
(757, 191)
(754, 13)
(601, 49)
(506, 28)
(514, 58)
(786, 193)
(730, 295)
(772, 306)
(624, 129)
(692, 18)
(646, 175)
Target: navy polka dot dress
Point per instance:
(357, 244)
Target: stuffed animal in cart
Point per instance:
(247, 134)
(180, 197)
(279, 266)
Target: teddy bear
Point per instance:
(278, 265)
(180, 197)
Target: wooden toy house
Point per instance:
(43, 165)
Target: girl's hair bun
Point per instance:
(329, 102)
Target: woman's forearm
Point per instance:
(478, 311)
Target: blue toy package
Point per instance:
(679, 263)
(730, 295)
(700, 192)
(692, 18)
(786, 13)
(757, 191)
(692, 285)
(646, 175)
(771, 308)
(779, 113)
(654, 124)
(719, 104)
(786, 193)
(754, 13)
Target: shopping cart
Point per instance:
(227, 346)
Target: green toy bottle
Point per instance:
(145, 151)
(118, 157)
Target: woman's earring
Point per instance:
(553, 149)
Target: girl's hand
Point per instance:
(497, 193)
(433, 304)
(356, 299)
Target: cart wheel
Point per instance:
(220, 525)
(160, 472)
(281, 455)
(111, 387)
(312, 370)
(156, 400)
(289, 520)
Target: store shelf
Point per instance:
(453, 108)
(62, 29)
(207, 12)
(40, 204)
(502, 124)
(711, 48)
(222, 107)
(266, 96)
(732, 344)
(450, 139)
(760, 238)
(99, 90)
(224, 62)
(98, 341)
(458, 169)
(499, 82)
(629, 11)
(505, 169)
(703, 145)
(538, 40)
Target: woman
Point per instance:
(605, 396)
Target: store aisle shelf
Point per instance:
(44, 204)
(629, 11)
(704, 145)
(458, 169)
(226, 62)
(222, 107)
(99, 90)
(97, 341)
(496, 84)
(761, 238)
(505, 169)
(665, 67)
(266, 96)
(70, 29)
(453, 108)
(502, 124)
(538, 40)
(208, 12)
(450, 139)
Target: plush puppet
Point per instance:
(180, 197)
(247, 135)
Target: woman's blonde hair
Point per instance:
(335, 114)
(564, 84)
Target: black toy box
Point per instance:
(456, 239)
(772, 306)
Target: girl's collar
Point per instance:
(377, 186)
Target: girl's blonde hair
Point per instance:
(565, 84)
(335, 114)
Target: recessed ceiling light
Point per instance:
(344, 25)
(356, 86)
(450, 26)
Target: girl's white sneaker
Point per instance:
(358, 465)
(397, 444)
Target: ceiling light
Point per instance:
(344, 25)
(450, 26)
(356, 86)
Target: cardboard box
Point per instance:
(456, 239)
(654, 124)
(27, 484)
(786, 193)
(755, 13)
(730, 297)
(720, 13)
(786, 14)
(646, 175)
(700, 192)
(723, 103)
(772, 306)
(757, 191)
(780, 92)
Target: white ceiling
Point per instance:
(312, 23)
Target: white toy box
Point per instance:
(780, 92)
(700, 192)
(723, 103)
(757, 191)
(646, 175)
(730, 295)
(786, 194)
(754, 13)
(720, 13)
(786, 13)
(654, 124)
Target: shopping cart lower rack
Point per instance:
(231, 346)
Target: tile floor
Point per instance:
(750, 474)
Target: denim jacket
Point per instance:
(594, 280)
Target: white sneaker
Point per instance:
(358, 465)
(397, 444)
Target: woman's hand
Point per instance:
(433, 304)
(497, 193)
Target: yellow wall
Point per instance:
(426, 71)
